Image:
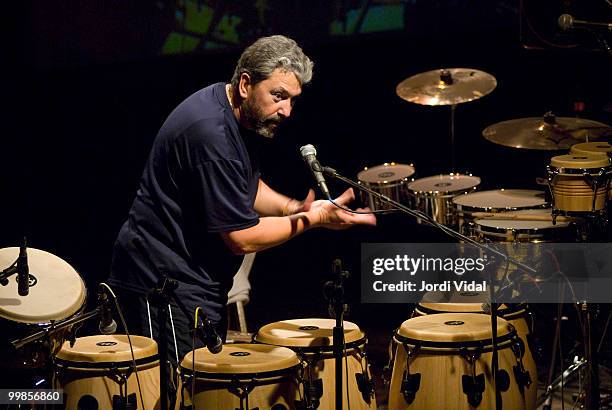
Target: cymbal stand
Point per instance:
(452, 136)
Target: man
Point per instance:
(201, 202)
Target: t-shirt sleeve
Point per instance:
(224, 195)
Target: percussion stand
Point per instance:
(334, 292)
(461, 238)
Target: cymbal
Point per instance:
(545, 133)
(448, 86)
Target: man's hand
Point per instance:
(332, 217)
(294, 206)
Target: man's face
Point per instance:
(267, 103)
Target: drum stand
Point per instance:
(334, 292)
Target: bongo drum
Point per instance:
(56, 292)
(312, 340)
(517, 315)
(579, 182)
(241, 376)
(594, 148)
(98, 372)
(389, 179)
(433, 195)
(443, 361)
(498, 200)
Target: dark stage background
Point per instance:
(80, 129)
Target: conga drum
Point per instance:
(56, 293)
(98, 372)
(443, 361)
(579, 182)
(389, 179)
(312, 340)
(241, 376)
(518, 315)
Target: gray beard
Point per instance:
(254, 121)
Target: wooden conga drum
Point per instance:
(312, 340)
(443, 361)
(98, 372)
(595, 148)
(241, 376)
(517, 315)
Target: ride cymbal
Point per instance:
(549, 132)
(448, 86)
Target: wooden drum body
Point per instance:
(433, 195)
(443, 361)
(579, 182)
(517, 315)
(241, 376)
(312, 340)
(601, 148)
(98, 372)
(389, 179)
(56, 293)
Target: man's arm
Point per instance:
(268, 202)
(274, 230)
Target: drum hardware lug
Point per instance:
(125, 403)
(473, 386)
(387, 370)
(365, 386)
(313, 391)
(410, 382)
(242, 391)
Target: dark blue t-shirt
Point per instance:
(201, 179)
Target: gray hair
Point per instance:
(266, 54)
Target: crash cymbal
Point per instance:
(545, 133)
(448, 86)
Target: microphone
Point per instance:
(210, 337)
(107, 325)
(23, 271)
(567, 21)
(309, 155)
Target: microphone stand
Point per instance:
(460, 237)
(161, 296)
(335, 291)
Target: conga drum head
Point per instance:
(501, 200)
(307, 333)
(452, 328)
(240, 359)
(570, 162)
(107, 351)
(444, 183)
(598, 147)
(99, 372)
(387, 173)
(56, 293)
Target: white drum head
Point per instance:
(502, 199)
(521, 224)
(58, 293)
(444, 183)
(385, 173)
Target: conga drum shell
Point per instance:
(312, 339)
(91, 371)
(517, 315)
(442, 361)
(263, 376)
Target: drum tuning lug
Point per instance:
(410, 386)
(473, 387)
(365, 386)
